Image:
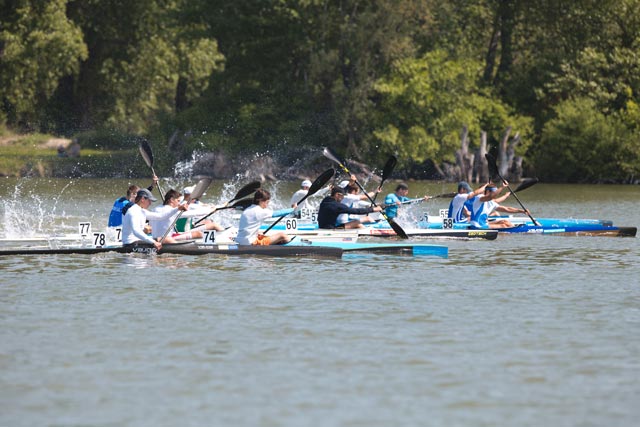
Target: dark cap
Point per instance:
(465, 185)
(146, 193)
(335, 190)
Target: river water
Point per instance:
(520, 331)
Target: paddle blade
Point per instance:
(396, 227)
(331, 155)
(200, 188)
(321, 181)
(147, 154)
(248, 189)
(526, 184)
(242, 204)
(388, 168)
(493, 167)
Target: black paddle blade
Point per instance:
(526, 184)
(386, 171)
(147, 154)
(396, 227)
(250, 188)
(241, 204)
(493, 167)
(320, 181)
(388, 168)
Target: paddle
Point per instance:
(315, 186)
(386, 171)
(243, 192)
(330, 154)
(493, 170)
(147, 155)
(526, 184)
(197, 192)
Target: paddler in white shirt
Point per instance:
(172, 201)
(252, 218)
(136, 216)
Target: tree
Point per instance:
(39, 45)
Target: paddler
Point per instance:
(490, 202)
(331, 207)
(252, 218)
(136, 215)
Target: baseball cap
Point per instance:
(491, 188)
(146, 193)
(344, 183)
(465, 185)
(189, 190)
(306, 183)
(335, 190)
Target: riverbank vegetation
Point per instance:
(427, 81)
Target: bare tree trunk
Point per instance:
(481, 170)
(464, 159)
(503, 164)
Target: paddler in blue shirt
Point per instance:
(115, 217)
(483, 207)
(462, 204)
(393, 200)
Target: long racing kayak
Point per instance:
(411, 249)
(189, 248)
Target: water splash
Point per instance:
(27, 214)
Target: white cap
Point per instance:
(306, 183)
(344, 184)
(189, 190)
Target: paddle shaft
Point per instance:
(315, 186)
(491, 160)
(386, 171)
(244, 191)
(399, 231)
(197, 192)
(147, 155)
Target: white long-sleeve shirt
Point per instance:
(160, 226)
(250, 222)
(134, 220)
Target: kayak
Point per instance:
(577, 230)
(436, 221)
(310, 230)
(187, 248)
(411, 249)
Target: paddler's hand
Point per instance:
(157, 245)
(377, 209)
(183, 207)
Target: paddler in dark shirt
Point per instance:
(331, 207)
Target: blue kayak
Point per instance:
(411, 249)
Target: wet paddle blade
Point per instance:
(315, 186)
(332, 155)
(201, 187)
(147, 153)
(248, 189)
(526, 184)
(396, 227)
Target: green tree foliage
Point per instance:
(425, 103)
(39, 45)
(584, 145)
(368, 78)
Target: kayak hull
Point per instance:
(408, 249)
(188, 248)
